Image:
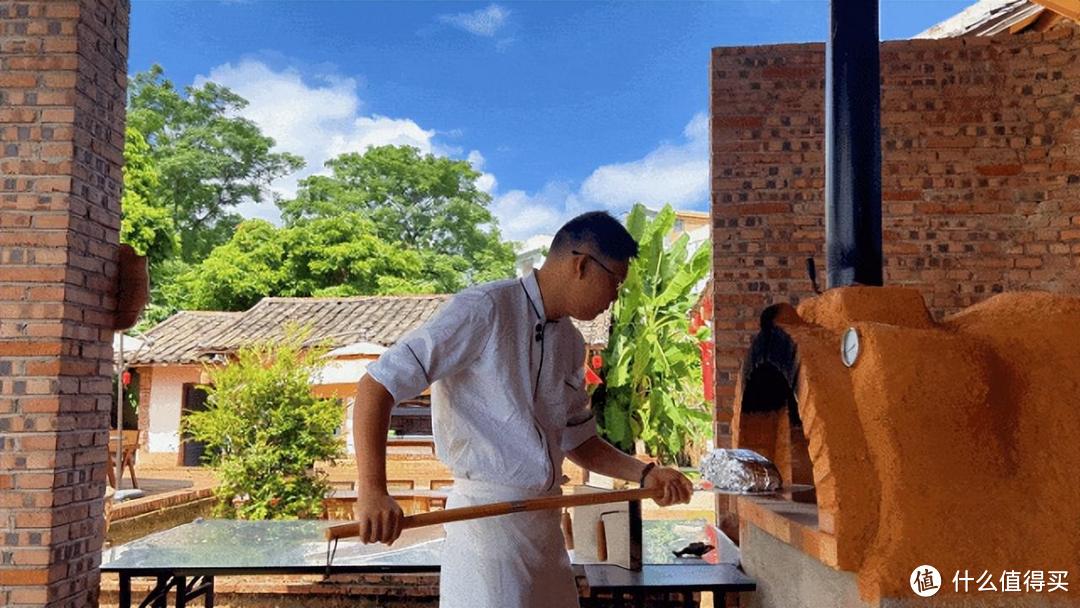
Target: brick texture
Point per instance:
(980, 175)
(62, 84)
(146, 383)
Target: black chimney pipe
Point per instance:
(853, 145)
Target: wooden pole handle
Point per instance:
(446, 516)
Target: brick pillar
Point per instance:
(63, 66)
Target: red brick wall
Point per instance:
(980, 175)
(62, 83)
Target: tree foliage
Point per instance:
(264, 430)
(652, 366)
(339, 256)
(146, 225)
(425, 202)
(209, 159)
(387, 221)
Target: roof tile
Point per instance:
(190, 336)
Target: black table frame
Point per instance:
(620, 582)
(191, 584)
(201, 583)
(685, 577)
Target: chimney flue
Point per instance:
(853, 145)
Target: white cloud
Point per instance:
(672, 173)
(504, 44)
(321, 116)
(522, 215)
(484, 22)
(486, 182)
(317, 118)
(476, 159)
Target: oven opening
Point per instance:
(770, 425)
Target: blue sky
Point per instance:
(564, 106)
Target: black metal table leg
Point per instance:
(160, 593)
(125, 591)
(181, 592)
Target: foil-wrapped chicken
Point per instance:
(740, 471)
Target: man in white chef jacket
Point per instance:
(506, 371)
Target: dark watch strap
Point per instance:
(645, 473)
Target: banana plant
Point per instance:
(652, 364)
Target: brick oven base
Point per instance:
(788, 578)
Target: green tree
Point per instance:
(238, 273)
(264, 430)
(338, 256)
(167, 294)
(424, 202)
(145, 225)
(208, 158)
(652, 365)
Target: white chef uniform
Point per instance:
(508, 401)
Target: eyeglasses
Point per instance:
(599, 264)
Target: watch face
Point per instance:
(849, 347)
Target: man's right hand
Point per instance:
(379, 516)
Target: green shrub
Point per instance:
(264, 430)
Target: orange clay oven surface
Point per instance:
(954, 444)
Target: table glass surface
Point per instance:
(235, 544)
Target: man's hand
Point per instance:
(379, 516)
(677, 488)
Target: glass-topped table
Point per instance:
(663, 572)
(226, 546)
(186, 559)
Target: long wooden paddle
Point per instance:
(431, 518)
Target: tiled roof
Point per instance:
(988, 18)
(190, 336)
(180, 338)
(339, 321)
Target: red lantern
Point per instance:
(125, 377)
(597, 362)
(591, 378)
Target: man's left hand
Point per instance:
(677, 487)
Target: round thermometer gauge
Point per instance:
(849, 347)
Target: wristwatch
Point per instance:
(645, 473)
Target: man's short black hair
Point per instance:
(598, 232)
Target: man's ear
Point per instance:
(579, 262)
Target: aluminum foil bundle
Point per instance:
(741, 471)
